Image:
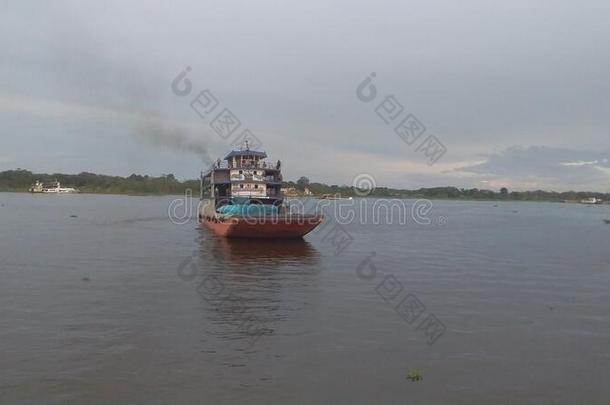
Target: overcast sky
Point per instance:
(518, 92)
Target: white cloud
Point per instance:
(579, 163)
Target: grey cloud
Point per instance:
(480, 75)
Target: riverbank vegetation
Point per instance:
(450, 193)
(22, 180)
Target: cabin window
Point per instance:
(241, 172)
(256, 186)
(241, 186)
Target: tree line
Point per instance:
(447, 192)
(22, 180)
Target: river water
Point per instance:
(103, 299)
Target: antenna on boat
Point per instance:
(247, 147)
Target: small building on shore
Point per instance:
(290, 191)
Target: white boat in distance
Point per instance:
(591, 200)
(53, 188)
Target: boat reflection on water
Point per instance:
(247, 252)
(247, 286)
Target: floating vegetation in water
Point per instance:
(414, 375)
(607, 221)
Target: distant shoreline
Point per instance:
(19, 181)
(152, 194)
(318, 197)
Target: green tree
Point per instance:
(302, 183)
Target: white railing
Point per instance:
(261, 164)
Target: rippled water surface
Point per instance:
(103, 299)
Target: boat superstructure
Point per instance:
(241, 197)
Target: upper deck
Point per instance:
(246, 159)
(243, 173)
(259, 164)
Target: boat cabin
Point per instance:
(243, 176)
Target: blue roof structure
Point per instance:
(246, 152)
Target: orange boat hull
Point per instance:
(277, 227)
